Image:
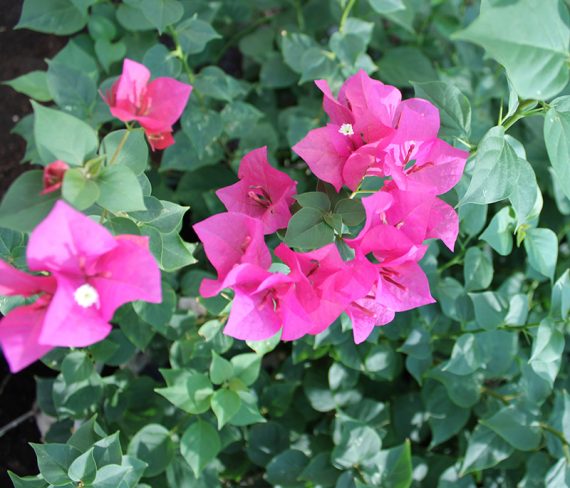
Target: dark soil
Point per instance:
(21, 51)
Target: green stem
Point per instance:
(120, 146)
(300, 16)
(556, 433)
(345, 14)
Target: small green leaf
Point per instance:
(225, 405)
(307, 230)
(132, 153)
(79, 190)
(485, 449)
(161, 13)
(199, 445)
(61, 17)
(33, 84)
(221, 369)
(478, 270)
(153, 445)
(314, 199)
(52, 130)
(547, 349)
(246, 367)
(23, 206)
(285, 468)
(54, 461)
(194, 34)
(83, 468)
(120, 190)
(541, 246)
(351, 211)
(513, 424)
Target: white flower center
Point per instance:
(346, 130)
(86, 296)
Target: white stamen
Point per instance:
(86, 296)
(346, 130)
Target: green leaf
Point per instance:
(54, 461)
(561, 296)
(529, 39)
(248, 413)
(490, 309)
(307, 230)
(497, 167)
(73, 90)
(23, 206)
(83, 468)
(159, 60)
(120, 190)
(316, 63)
(464, 391)
(246, 367)
(559, 420)
(557, 139)
(187, 390)
(27, 482)
(33, 84)
(214, 83)
(285, 468)
(558, 475)
(199, 445)
(202, 128)
(514, 425)
(52, 130)
(221, 369)
(314, 199)
(109, 52)
(547, 349)
(541, 246)
(357, 444)
(266, 441)
(293, 46)
(101, 27)
(133, 153)
(454, 107)
(466, 357)
(485, 449)
(499, 232)
(161, 13)
(351, 211)
(152, 445)
(127, 474)
(61, 17)
(403, 65)
(171, 252)
(276, 74)
(225, 405)
(393, 467)
(478, 270)
(79, 190)
(194, 34)
(446, 419)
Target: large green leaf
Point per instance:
(530, 39)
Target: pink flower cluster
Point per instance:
(87, 273)
(155, 105)
(372, 133)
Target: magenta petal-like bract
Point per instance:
(16, 282)
(325, 150)
(229, 239)
(66, 240)
(263, 192)
(19, 336)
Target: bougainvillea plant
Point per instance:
(293, 243)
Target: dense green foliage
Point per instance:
(470, 391)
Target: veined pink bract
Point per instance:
(156, 105)
(91, 274)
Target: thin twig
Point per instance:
(17, 421)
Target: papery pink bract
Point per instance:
(81, 257)
(230, 239)
(325, 150)
(53, 176)
(21, 327)
(77, 251)
(156, 106)
(263, 192)
(264, 304)
(325, 284)
(438, 167)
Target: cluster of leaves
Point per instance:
(469, 391)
